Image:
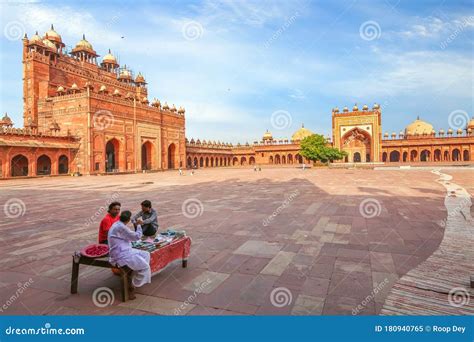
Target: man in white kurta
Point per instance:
(121, 253)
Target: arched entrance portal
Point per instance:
(43, 166)
(394, 156)
(19, 166)
(171, 156)
(147, 149)
(63, 167)
(456, 155)
(357, 144)
(357, 157)
(111, 155)
(425, 156)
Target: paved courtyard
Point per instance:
(280, 241)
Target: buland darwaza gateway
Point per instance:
(85, 117)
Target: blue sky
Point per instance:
(232, 64)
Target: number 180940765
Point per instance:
(399, 328)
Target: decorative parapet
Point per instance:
(22, 132)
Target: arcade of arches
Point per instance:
(27, 164)
(210, 159)
(434, 153)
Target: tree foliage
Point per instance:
(315, 148)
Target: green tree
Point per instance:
(315, 148)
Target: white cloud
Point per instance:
(69, 22)
(421, 72)
(433, 27)
(297, 94)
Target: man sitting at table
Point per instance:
(122, 254)
(147, 218)
(109, 219)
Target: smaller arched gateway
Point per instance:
(147, 155)
(171, 156)
(425, 156)
(456, 155)
(43, 165)
(357, 143)
(19, 166)
(112, 149)
(394, 156)
(465, 155)
(63, 165)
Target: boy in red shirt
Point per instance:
(109, 219)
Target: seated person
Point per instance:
(147, 218)
(122, 254)
(109, 219)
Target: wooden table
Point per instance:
(159, 259)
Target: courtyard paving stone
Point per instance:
(319, 247)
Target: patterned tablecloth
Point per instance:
(177, 249)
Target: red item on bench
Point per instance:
(96, 250)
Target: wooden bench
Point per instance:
(159, 259)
